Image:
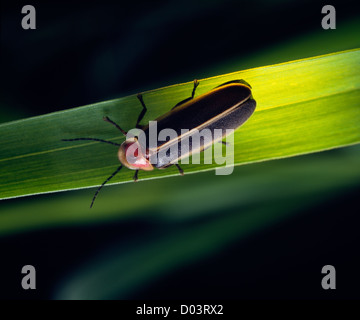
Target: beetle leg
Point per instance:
(196, 83)
(181, 171)
(107, 119)
(136, 176)
(224, 143)
(143, 111)
(107, 180)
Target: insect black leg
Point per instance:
(93, 139)
(143, 111)
(196, 83)
(136, 176)
(107, 119)
(225, 143)
(181, 171)
(107, 180)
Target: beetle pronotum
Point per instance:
(227, 106)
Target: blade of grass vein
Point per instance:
(34, 160)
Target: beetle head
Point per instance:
(131, 155)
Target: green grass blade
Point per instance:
(302, 106)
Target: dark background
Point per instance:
(84, 52)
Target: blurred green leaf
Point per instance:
(256, 197)
(302, 106)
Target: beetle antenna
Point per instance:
(107, 180)
(107, 119)
(93, 139)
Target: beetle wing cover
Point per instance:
(204, 109)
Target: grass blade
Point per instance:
(303, 106)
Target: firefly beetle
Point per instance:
(227, 106)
